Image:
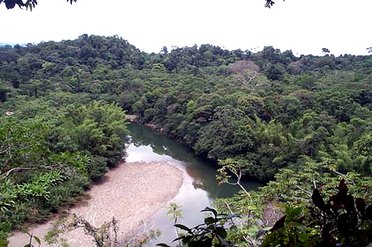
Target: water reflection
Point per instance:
(199, 187)
(153, 146)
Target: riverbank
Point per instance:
(131, 192)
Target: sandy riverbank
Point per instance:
(132, 193)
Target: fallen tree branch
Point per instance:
(15, 169)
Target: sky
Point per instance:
(303, 26)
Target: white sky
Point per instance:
(304, 26)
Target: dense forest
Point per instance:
(290, 122)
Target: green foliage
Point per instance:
(269, 115)
(211, 233)
(342, 221)
(21, 143)
(48, 157)
(32, 240)
(39, 186)
(97, 128)
(291, 231)
(291, 190)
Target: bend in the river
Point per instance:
(198, 190)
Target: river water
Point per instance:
(199, 188)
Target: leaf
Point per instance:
(179, 238)
(318, 200)
(162, 245)
(208, 209)
(210, 220)
(221, 231)
(185, 239)
(349, 203)
(342, 188)
(336, 202)
(303, 237)
(37, 240)
(182, 227)
(279, 224)
(260, 233)
(360, 205)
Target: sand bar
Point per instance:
(132, 193)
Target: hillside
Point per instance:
(271, 115)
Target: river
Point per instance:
(133, 194)
(199, 188)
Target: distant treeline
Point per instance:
(261, 112)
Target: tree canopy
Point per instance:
(28, 4)
(291, 122)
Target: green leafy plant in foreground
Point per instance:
(32, 239)
(341, 221)
(213, 232)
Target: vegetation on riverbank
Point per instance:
(51, 152)
(294, 121)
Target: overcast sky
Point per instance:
(304, 26)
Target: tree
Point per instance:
(270, 3)
(325, 50)
(29, 4)
(275, 72)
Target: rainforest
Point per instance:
(300, 125)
